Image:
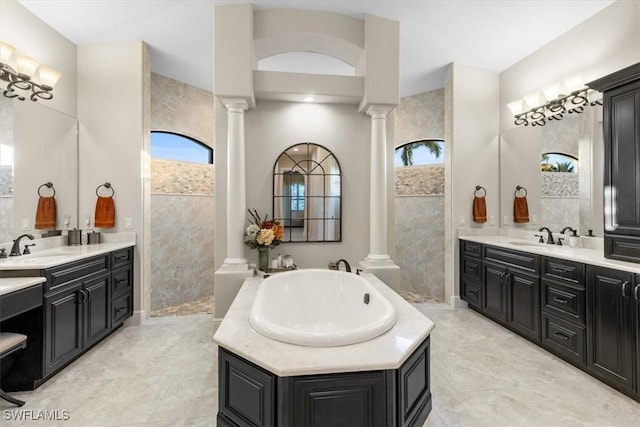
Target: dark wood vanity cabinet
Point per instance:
(621, 121)
(252, 396)
(510, 290)
(83, 302)
(611, 326)
(589, 315)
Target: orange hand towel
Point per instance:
(520, 210)
(479, 210)
(46, 213)
(105, 216)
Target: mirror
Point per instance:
(38, 145)
(558, 194)
(307, 191)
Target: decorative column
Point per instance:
(378, 186)
(236, 187)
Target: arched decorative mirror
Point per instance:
(307, 190)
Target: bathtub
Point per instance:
(320, 308)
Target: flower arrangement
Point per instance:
(262, 233)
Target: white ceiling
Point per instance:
(487, 34)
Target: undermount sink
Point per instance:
(52, 256)
(521, 243)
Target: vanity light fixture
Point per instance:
(309, 98)
(21, 76)
(531, 111)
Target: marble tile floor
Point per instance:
(164, 373)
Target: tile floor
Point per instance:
(165, 374)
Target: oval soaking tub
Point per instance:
(320, 308)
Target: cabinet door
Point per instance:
(494, 297)
(622, 159)
(63, 320)
(610, 317)
(523, 303)
(636, 296)
(96, 308)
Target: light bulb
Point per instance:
(551, 92)
(573, 83)
(26, 65)
(532, 100)
(48, 76)
(309, 99)
(6, 50)
(516, 107)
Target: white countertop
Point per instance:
(583, 255)
(52, 257)
(388, 351)
(13, 284)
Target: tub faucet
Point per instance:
(346, 265)
(550, 240)
(15, 249)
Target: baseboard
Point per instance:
(138, 318)
(457, 302)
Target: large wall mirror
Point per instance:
(307, 190)
(561, 166)
(37, 145)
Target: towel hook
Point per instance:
(48, 185)
(106, 185)
(518, 188)
(478, 188)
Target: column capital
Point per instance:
(379, 111)
(235, 105)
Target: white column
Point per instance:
(378, 186)
(236, 187)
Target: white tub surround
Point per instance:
(387, 351)
(583, 255)
(320, 308)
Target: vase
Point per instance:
(263, 258)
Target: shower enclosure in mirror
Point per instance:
(307, 194)
(561, 166)
(37, 145)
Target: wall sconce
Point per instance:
(21, 77)
(531, 111)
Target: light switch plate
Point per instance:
(25, 224)
(128, 222)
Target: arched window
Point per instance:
(558, 162)
(423, 152)
(180, 148)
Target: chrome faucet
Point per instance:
(346, 265)
(550, 240)
(15, 249)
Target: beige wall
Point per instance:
(112, 137)
(604, 43)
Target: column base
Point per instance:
(235, 264)
(384, 269)
(227, 281)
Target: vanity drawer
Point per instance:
(121, 281)
(121, 308)
(472, 267)
(526, 261)
(563, 300)
(471, 292)
(564, 338)
(562, 269)
(121, 257)
(59, 276)
(473, 249)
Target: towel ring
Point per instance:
(518, 188)
(478, 188)
(48, 185)
(106, 185)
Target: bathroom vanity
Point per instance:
(573, 302)
(84, 294)
(380, 382)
